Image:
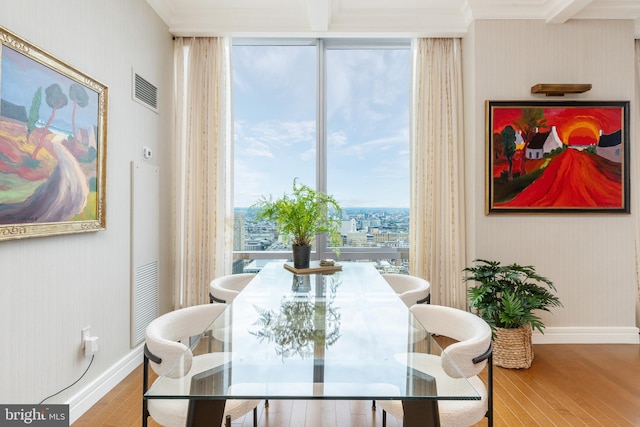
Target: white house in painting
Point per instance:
(610, 146)
(553, 141)
(543, 142)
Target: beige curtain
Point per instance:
(202, 176)
(635, 118)
(437, 170)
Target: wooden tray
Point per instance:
(314, 268)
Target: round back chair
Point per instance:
(411, 289)
(166, 341)
(470, 354)
(225, 288)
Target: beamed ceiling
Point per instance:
(425, 18)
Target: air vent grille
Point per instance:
(145, 93)
(145, 300)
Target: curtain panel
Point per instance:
(202, 206)
(635, 129)
(437, 229)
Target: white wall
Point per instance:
(50, 288)
(589, 257)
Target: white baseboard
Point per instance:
(588, 335)
(98, 388)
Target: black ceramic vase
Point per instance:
(301, 256)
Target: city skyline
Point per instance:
(368, 222)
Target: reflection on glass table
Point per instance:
(302, 322)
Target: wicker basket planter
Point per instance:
(512, 348)
(507, 297)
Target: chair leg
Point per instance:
(227, 421)
(145, 412)
(490, 391)
(373, 405)
(255, 417)
(384, 418)
(145, 385)
(266, 403)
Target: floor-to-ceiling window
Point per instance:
(334, 114)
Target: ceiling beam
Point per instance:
(318, 14)
(563, 10)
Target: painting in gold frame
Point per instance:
(557, 156)
(53, 141)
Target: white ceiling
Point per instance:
(426, 18)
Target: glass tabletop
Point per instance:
(344, 335)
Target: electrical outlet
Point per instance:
(91, 346)
(86, 333)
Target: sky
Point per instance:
(274, 95)
(22, 76)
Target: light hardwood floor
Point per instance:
(567, 385)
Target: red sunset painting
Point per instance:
(557, 156)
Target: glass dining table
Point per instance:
(339, 336)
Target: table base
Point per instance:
(205, 413)
(420, 413)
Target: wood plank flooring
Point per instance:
(567, 385)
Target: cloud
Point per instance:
(247, 188)
(260, 70)
(257, 150)
(337, 139)
(396, 142)
(269, 154)
(308, 155)
(365, 86)
(270, 138)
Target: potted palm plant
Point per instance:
(506, 297)
(302, 216)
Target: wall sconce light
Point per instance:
(560, 89)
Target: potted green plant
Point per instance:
(302, 216)
(506, 297)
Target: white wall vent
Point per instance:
(145, 243)
(145, 300)
(144, 92)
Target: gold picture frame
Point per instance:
(53, 142)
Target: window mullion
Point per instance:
(321, 137)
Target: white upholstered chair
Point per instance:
(225, 288)
(163, 347)
(411, 289)
(471, 353)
